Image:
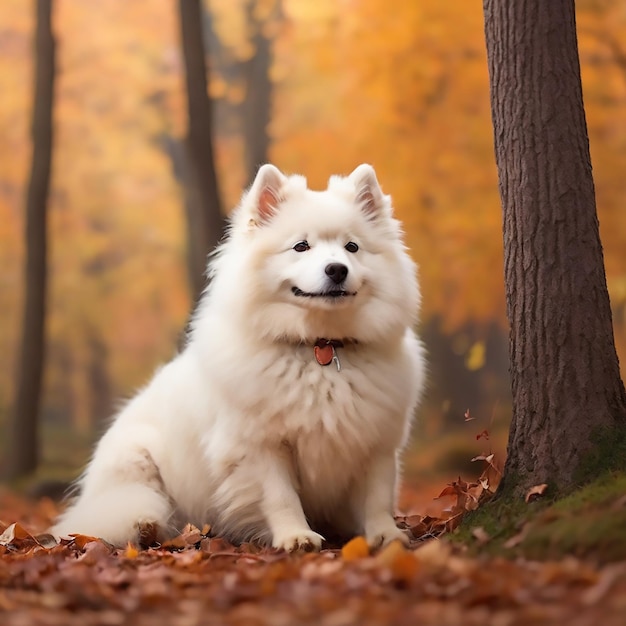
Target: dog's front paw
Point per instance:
(384, 533)
(298, 541)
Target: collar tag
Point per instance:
(326, 353)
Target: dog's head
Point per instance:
(305, 264)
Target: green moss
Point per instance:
(601, 493)
(590, 522)
(608, 454)
(501, 519)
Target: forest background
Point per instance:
(349, 82)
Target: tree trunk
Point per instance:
(24, 449)
(564, 368)
(205, 222)
(256, 108)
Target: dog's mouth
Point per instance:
(331, 294)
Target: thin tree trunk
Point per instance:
(257, 105)
(24, 449)
(205, 222)
(564, 368)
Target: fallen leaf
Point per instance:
(356, 548)
(14, 533)
(433, 553)
(481, 535)
(450, 490)
(131, 551)
(609, 576)
(96, 552)
(536, 491)
(80, 541)
(46, 540)
(400, 562)
(516, 539)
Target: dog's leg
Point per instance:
(376, 500)
(282, 507)
(122, 496)
(132, 512)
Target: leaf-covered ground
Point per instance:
(196, 579)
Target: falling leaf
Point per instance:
(483, 435)
(488, 458)
(468, 418)
(475, 358)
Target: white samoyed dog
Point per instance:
(284, 415)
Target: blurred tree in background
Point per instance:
(205, 222)
(22, 444)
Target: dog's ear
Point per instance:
(369, 195)
(265, 192)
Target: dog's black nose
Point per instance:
(337, 272)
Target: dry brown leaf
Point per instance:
(534, 492)
(602, 587)
(433, 553)
(453, 522)
(449, 490)
(46, 540)
(401, 563)
(80, 541)
(14, 533)
(96, 552)
(517, 539)
(481, 535)
(488, 458)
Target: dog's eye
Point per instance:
(351, 246)
(302, 246)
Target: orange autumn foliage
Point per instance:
(405, 89)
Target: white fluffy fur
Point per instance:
(244, 429)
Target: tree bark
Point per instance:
(205, 222)
(257, 106)
(564, 368)
(23, 453)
